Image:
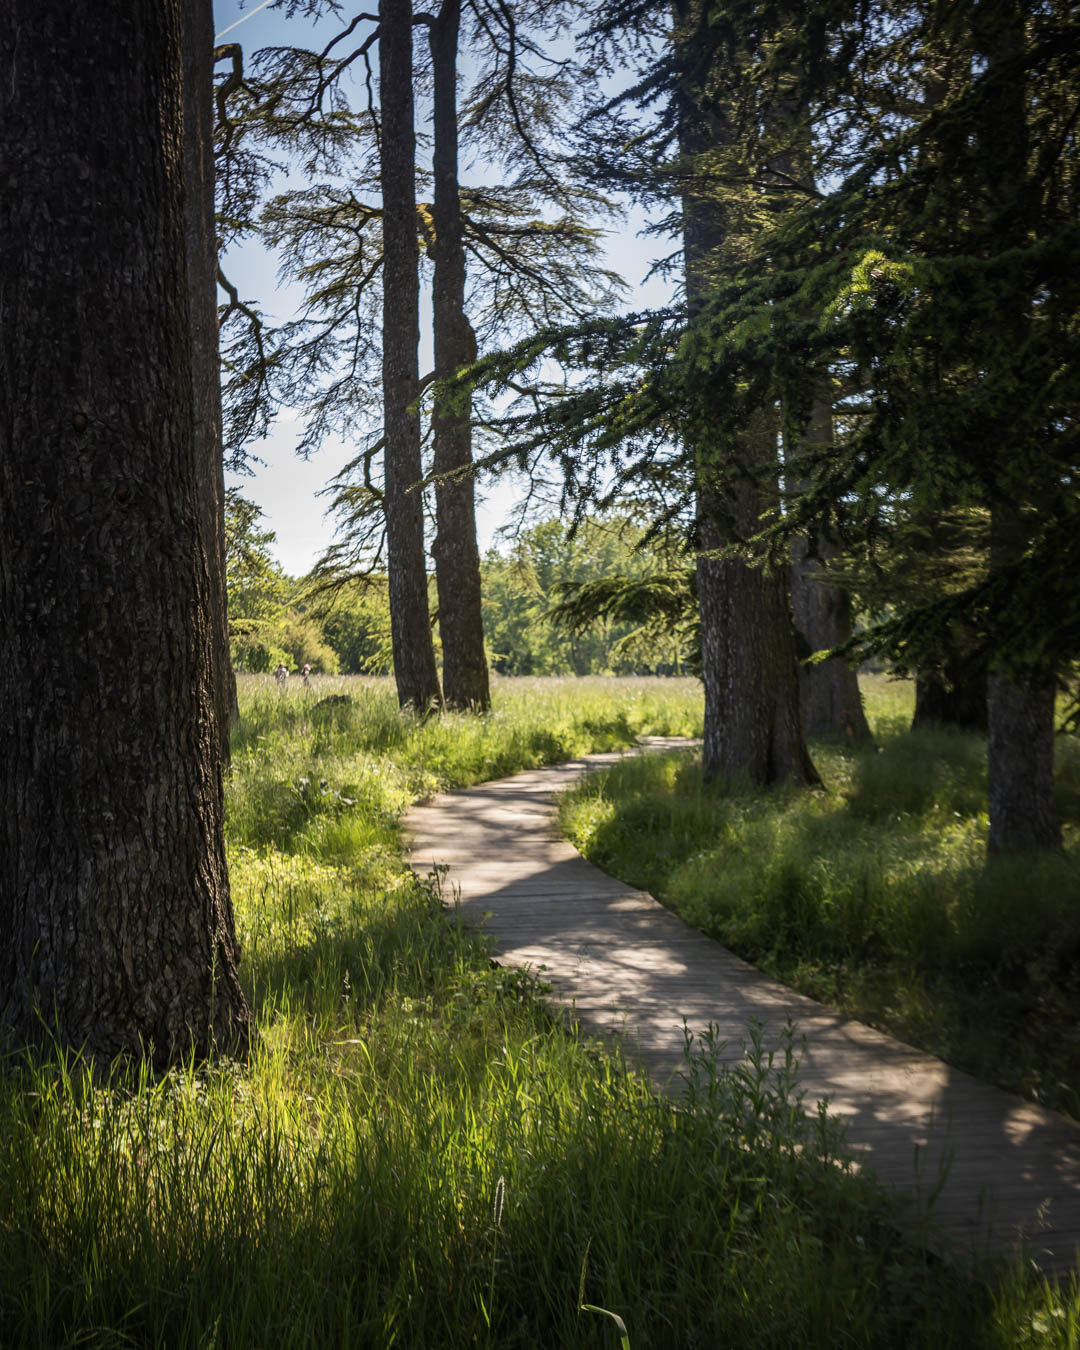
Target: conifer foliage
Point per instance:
(892, 190)
(501, 258)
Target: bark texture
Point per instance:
(1020, 763)
(457, 558)
(410, 627)
(753, 723)
(829, 692)
(202, 258)
(114, 897)
(1020, 741)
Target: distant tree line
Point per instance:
(347, 630)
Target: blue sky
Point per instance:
(285, 486)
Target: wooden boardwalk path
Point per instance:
(627, 964)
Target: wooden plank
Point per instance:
(622, 964)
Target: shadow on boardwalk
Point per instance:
(993, 1169)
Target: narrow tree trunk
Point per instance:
(410, 627)
(114, 898)
(201, 234)
(832, 705)
(753, 726)
(457, 558)
(829, 692)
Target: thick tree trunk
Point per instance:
(457, 558)
(1020, 741)
(201, 233)
(1020, 766)
(410, 627)
(114, 898)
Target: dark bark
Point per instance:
(457, 558)
(753, 724)
(829, 694)
(1020, 762)
(952, 694)
(201, 233)
(1020, 740)
(114, 897)
(410, 627)
(1020, 696)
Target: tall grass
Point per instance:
(872, 895)
(415, 1153)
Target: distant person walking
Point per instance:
(281, 674)
(305, 674)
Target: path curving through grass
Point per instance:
(992, 1172)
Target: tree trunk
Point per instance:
(1020, 741)
(114, 897)
(1020, 764)
(832, 705)
(1020, 698)
(952, 694)
(201, 235)
(457, 558)
(829, 693)
(410, 627)
(753, 726)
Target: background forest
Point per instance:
(346, 630)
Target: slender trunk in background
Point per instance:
(1020, 697)
(951, 690)
(1020, 741)
(114, 893)
(201, 235)
(952, 694)
(832, 705)
(753, 725)
(829, 694)
(410, 627)
(457, 558)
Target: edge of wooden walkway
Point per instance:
(626, 964)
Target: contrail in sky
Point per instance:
(242, 20)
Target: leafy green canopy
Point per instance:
(604, 598)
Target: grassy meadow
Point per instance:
(872, 895)
(415, 1152)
